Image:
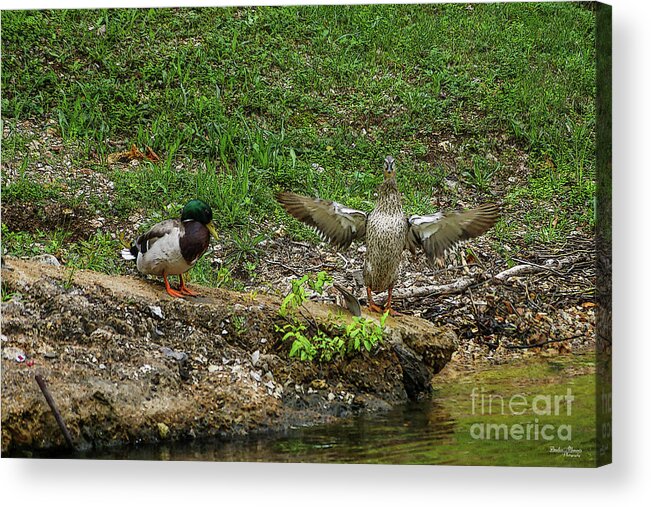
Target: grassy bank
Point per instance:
(485, 102)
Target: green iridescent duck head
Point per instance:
(201, 212)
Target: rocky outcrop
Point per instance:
(126, 364)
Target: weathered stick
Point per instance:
(430, 290)
(521, 269)
(551, 265)
(57, 415)
(531, 346)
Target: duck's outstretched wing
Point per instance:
(334, 222)
(438, 233)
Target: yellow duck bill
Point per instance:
(211, 229)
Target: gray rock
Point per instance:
(156, 311)
(47, 259)
(174, 354)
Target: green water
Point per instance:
(540, 413)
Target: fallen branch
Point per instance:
(538, 344)
(283, 265)
(551, 265)
(57, 415)
(295, 270)
(431, 290)
(521, 269)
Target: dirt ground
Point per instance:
(127, 364)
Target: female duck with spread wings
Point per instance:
(388, 231)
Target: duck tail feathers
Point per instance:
(128, 254)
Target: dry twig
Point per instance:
(552, 265)
(538, 344)
(57, 415)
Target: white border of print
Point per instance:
(53, 482)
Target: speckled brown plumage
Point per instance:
(388, 231)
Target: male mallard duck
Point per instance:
(173, 246)
(388, 231)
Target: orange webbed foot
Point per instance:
(188, 292)
(170, 291)
(375, 308)
(174, 293)
(183, 289)
(371, 305)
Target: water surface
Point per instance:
(515, 415)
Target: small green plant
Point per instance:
(206, 272)
(317, 284)
(302, 347)
(480, 173)
(329, 347)
(96, 253)
(251, 269)
(245, 248)
(70, 276)
(298, 294)
(7, 295)
(239, 324)
(295, 329)
(329, 342)
(295, 297)
(362, 332)
(27, 189)
(23, 243)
